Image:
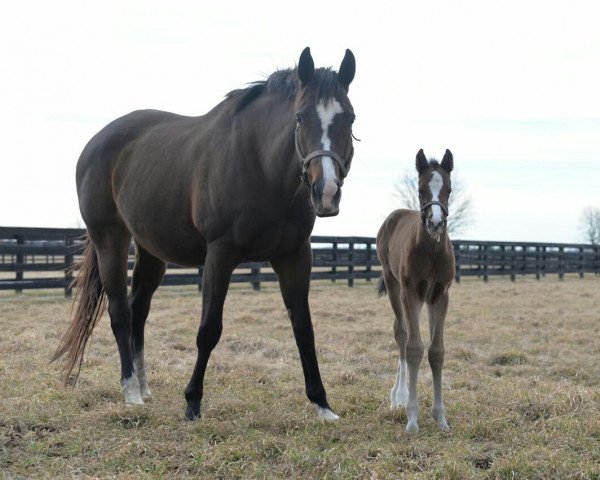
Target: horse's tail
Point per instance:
(88, 306)
(381, 288)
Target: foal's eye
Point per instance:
(351, 119)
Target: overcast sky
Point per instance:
(512, 88)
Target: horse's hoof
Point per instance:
(325, 413)
(192, 412)
(146, 393)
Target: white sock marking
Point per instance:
(131, 390)
(325, 413)
(140, 370)
(327, 112)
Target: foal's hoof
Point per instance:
(325, 413)
(192, 412)
(412, 427)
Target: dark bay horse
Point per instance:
(418, 267)
(241, 183)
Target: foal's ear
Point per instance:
(347, 69)
(306, 66)
(422, 163)
(448, 161)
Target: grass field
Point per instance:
(521, 384)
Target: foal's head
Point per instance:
(434, 191)
(324, 117)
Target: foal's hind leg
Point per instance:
(294, 281)
(414, 353)
(112, 248)
(147, 275)
(437, 317)
(399, 392)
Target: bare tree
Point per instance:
(461, 206)
(590, 225)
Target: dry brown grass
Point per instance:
(521, 383)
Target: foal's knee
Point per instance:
(436, 357)
(414, 352)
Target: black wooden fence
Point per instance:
(35, 258)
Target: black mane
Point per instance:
(324, 84)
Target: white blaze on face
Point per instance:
(435, 185)
(327, 112)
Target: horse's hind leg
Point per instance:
(112, 248)
(294, 281)
(437, 317)
(147, 275)
(399, 392)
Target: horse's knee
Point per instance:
(209, 334)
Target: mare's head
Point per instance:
(434, 192)
(324, 117)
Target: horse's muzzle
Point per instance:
(325, 205)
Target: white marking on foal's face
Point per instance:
(327, 112)
(435, 185)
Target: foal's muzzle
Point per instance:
(434, 226)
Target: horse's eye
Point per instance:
(299, 118)
(351, 119)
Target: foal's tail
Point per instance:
(381, 288)
(88, 306)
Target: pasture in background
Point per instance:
(521, 382)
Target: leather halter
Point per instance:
(434, 202)
(305, 159)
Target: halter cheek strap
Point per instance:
(434, 202)
(305, 159)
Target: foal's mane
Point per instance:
(324, 84)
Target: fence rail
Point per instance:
(35, 258)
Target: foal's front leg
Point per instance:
(294, 281)
(414, 353)
(437, 317)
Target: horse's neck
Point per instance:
(273, 132)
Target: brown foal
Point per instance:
(418, 267)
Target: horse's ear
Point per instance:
(421, 163)
(448, 161)
(306, 66)
(347, 69)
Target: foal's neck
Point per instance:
(427, 242)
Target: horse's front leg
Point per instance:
(412, 305)
(218, 267)
(294, 281)
(437, 317)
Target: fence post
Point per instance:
(369, 256)
(512, 264)
(200, 274)
(456, 247)
(537, 262)
(351, 264)
(335, 258)
(485, 258)
(255, 278)
(561, 263)
(69, 266)
(20, 263)
(581, 262)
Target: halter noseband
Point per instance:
(305, 159)
(434, 202)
